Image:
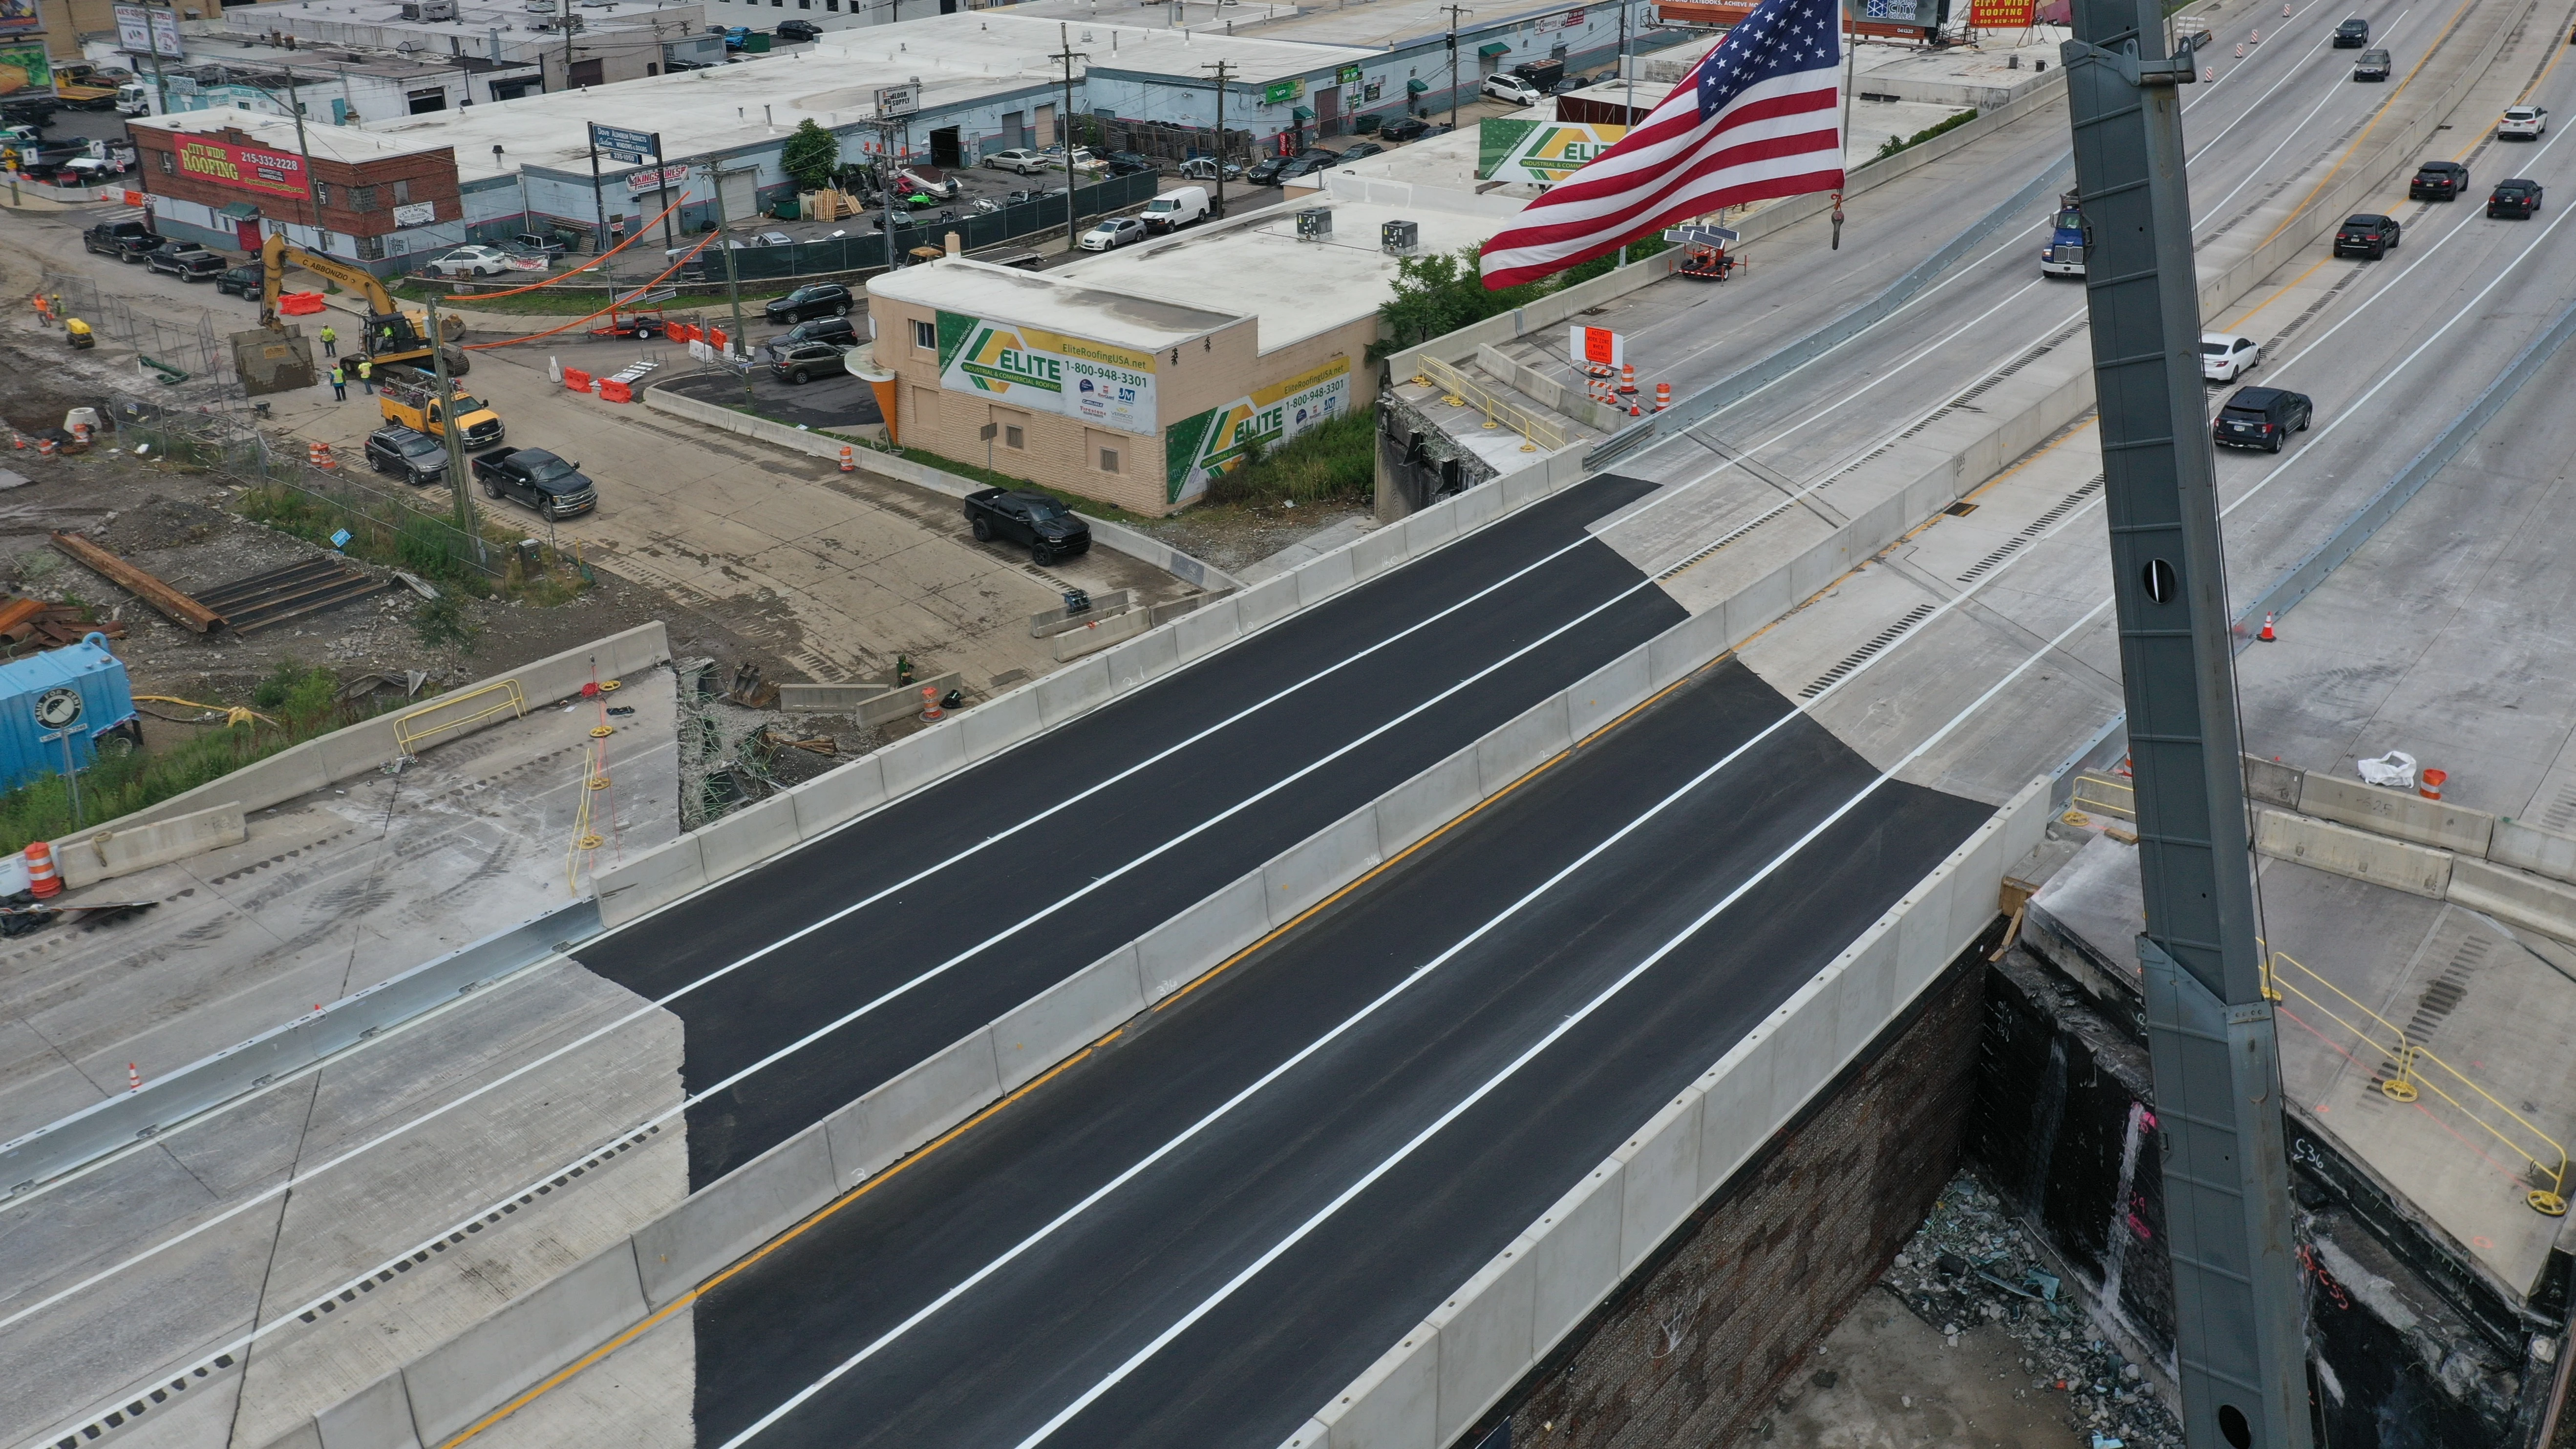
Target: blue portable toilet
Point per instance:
(73, 694)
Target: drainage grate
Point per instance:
(2032, 530)
(2442, 995)
(1866, 652)
(2561, 815)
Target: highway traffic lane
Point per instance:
(738, 1022)
(1015, 1349)
(748, 1014)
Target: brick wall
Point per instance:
(1693, 1347)
(416, 178)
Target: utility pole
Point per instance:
(295, 108)
(152, 48)
(565, 19)
(457, 483)
(1224, 69)
(1069, 55)
(662, 194)
(1454, 12)
(2240, 1341)
(735, 340)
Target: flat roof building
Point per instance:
(228, 177)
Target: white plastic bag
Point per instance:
(2395, 770)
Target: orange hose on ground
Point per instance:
(577, 271)
(602, 312)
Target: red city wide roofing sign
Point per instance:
(245, 168)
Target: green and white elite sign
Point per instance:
(1206, 445)
(1048, 372)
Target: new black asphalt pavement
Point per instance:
(768, 1005)
(1005, 1356)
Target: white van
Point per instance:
(1176, 208)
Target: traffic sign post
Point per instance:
(633, 148)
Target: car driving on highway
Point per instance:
(2225, 357)
(2263, 417)
(2374, 65)
(1051, 530)
(2353, 34)
(2515, 197)
(2522, 123)
(2438, 181)
(2366, 234)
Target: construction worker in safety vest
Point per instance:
(339, 383)
(367, 375)
(330, 341)
(77, 333)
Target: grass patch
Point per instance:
(304, 703)
(416, 541)
(1333, 461)
(1899, 143)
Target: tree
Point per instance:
(810, 156)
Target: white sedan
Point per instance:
(1113, 232)
(1019, 159)
(2225, 357)
(2524, 123)
(472, 262)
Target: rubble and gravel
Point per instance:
(1972, 1263)
(1234, 537)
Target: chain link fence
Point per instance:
(178, 351)
(289, 493)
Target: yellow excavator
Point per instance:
(393, 337)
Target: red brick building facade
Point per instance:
(228, 178)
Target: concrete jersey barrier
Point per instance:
(1446, 1373)
(452, 1384)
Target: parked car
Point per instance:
(538, 479)
(416, 458)
(1568, 86)
(1175, 209)
(1113, 232)
(1129, 163)
(127, 241)
(535, 244)
(2438, 181)
(2366, 234)
(802, 362)
(822, 299)
(1018, 159)
(2225, 357)
(2522, 123)
(2374, 65)
(2353, 34)
(1362, 149)
(1265, 172)
(803, 31)
(244, 281)
(835, 330)
(1051, 530)
(2516, 197)
(1203, 168)
(1307, 163)
(187, 261)
(1404, 128)
(2263, 417)
(470, 261)
(775, 239)
(1518, 90)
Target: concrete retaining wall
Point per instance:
(1438, 1379)
(106, 854)
(2416, 869)
(869, 704)
(2517, 873)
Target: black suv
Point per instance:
(2366, 235)
(243, 281)
(835, 330)
(2263, 417)
(2515, 196)
(798, 30)
(1051, 530)
(823, 299)
(539, 479)
(185, 260)
(2438, 181)
(1403, 129)
(416, 458)
(2373, 66)
(801, 362)
(127, 241)
(2353, 34)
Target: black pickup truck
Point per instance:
(1051, 530)
(127, 241)
(539, 479)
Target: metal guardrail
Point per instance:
(1498, 413)
(2402, 1079)
(129, 1117)
(2102, 794)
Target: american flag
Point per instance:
(1759, 117)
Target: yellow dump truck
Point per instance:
(418, 407)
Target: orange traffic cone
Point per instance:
(2267, 636)
(930, 710)
(1663, 396)
(43, 881)
(1627, 378)
(2431, 789)
(849, 462)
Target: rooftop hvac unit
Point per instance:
(1315, 223)
(1402, 238)
(429, 10)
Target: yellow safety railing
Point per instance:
(407, 730)
(1498, 413)
(2404, 1079)
(2104, 795)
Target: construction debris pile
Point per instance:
(1971, 1263)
